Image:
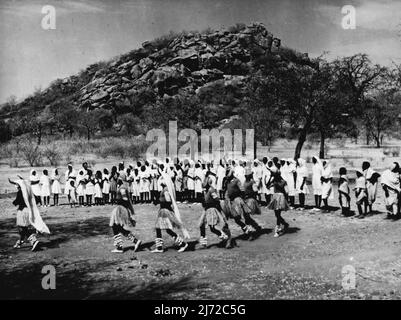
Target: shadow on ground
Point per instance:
(74, 281)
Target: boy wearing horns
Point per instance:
(168, 216)
(27, 215)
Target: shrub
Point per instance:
(31, 153)
(53, 155)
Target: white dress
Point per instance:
(302, 172)
(98, 189)
(89, 188)
(239, 173)
(106, 186)
(316, 182)
(45, 186)
(68, 175)
(134, 185)
(257, 176)
(199, 177)
(327, 186)
(56, 186)
(221, 173)
(144, 184)
(191, 177)
(35, 187)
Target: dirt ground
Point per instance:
(305, 263)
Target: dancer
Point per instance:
(212, 215)
(27, 215)
(168, 216)
(279, 203)
(235, 207)
(122, 220)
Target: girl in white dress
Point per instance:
(98, 188)
(80, 190)
(221, 173)
(301, 187)
(199, 177)
(89, 188)
(45, 188)
(327, 184)
(34, 179)
(191, 181)
(257, 176)
(106, 186)
(56, 186)
(70, 175)
(144, 184)
(317, 169)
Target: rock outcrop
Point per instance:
(188, 62)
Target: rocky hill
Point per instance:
(177, 64)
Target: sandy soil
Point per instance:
(305, 263)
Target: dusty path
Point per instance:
(306, 263)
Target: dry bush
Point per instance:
(52, 154)
(31, 153)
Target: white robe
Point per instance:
(316, 182)
(221, 173)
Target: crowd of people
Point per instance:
(230, 189)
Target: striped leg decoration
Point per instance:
(223, 236)
(32, 239)
(135, 241)
(132, 238)
(159, 245)
(203, 241)
(118, 241)
(179, 241)
(247, 229)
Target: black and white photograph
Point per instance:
(200, 150)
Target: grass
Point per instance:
(62, 151)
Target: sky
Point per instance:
(90, 31)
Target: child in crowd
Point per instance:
(98, 188)
(45, 188)
(344, 192)
(89, 188)
(56, 186)
(72, 193)
(360, 193)
(106, 186)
